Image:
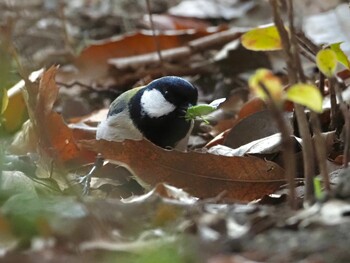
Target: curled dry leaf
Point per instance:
(201, 174)
(242, 133)
(52, 136)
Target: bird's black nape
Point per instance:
(167, 130)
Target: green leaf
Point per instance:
(326, 61)
(342, 58)
(16, 182)
(307, 95)
(262, 39)
(199, 111)
(26, 213)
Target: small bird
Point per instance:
(156, 112)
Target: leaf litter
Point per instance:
(195, 206)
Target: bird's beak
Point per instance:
(184, 108)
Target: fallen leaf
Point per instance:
(92, 67)
(252, 106)
(25, 141)
(54, 137)
(61, 142)
(47, 92)
(201, 174)
(242, 132)
(16, 182)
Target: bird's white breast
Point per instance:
(155, 105)
(118, 128)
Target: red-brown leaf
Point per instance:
(201, 174)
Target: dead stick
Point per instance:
(320, 147)
(179, 53)
(288, 49)
(289, 159)
(333, 100)
(346, 114)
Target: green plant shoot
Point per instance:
(262, 39)
(199, 111)
(307, 95)
(341, 57)
(326, 61)
(272, 84)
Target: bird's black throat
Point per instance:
(164, 131)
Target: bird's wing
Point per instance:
(118, 126)
(121, 103)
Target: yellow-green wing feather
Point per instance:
(120, 103)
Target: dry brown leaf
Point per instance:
(252, 106)
(47, 93)
(54, 137)
(242, 133)
(201, 174)
(61, 141)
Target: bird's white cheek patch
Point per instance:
(155, 105)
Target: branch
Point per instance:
(180, 53)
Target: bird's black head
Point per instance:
(159, 110)
(176, 90)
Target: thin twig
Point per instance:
(319, 142)
(334, 106)
(289, 159)
(66, 38)
(294, 43)
(320, 149)
(322, 83)
(305, 42)
(155, 37)
(307, 55)
(293, 70)
(346, 114)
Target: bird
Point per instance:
(155, 112)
